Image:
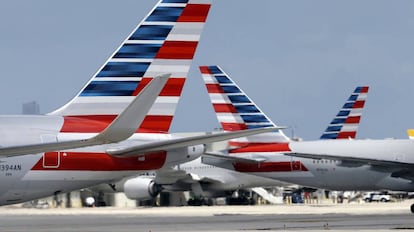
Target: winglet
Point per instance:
(120, 129)
(131, 118)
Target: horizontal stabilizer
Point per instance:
(120, 129)
(185, 142)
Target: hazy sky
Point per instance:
(298, 60)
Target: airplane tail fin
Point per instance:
(164, 42)
(235, 110)
(346, 122)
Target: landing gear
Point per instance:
(412, 208)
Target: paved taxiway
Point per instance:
(373, 216)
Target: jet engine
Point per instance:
(141, 188)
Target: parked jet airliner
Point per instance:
(207, 181)
(236, 111)
(118, 124)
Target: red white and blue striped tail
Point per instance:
(346, 122)
(164, 42)
(235, 110)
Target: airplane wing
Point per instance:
(120, 129)
(397, 168)
(221, 155)
(185, 141)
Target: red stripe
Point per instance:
(224, 108)
(97, 123)
(228, 126)
(353, 119)
(364, 89)
(346, 135)
(214, 88)
(156, 123)
(358, 104)
(177, 50)
(270, 167)
(79, 161)
(86, 123)
(204, 70)
(194, 13)
(172, 88)
(260, 147)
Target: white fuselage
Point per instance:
(34, 176)
(331, 174)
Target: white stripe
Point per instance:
(200, 2)
(144, 42)
(229, 118)
(349, 127)
(159, 23)
(117, 79)
(362, 96)
(172, 4)
(217, 98)
(186, 32)
(177, 68)
(208, 79)
(77, 175)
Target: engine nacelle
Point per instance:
(141, 188)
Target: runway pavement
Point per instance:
(372, 216)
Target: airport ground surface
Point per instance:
(348, 217)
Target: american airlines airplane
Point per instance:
(208, 181)
(117, 125)
(235, 111)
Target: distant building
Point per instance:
(31, 108)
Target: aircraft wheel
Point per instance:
(412, 208)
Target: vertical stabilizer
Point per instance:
(346, 122)
(235, 110)
(164, 42)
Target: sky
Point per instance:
(297, 60)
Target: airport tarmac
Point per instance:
(367, 216)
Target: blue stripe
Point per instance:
(165, 14)
(239, 99)
(246, 109)
(151, 32)
(338, 121)
(353, 97)
(174, 1)
(123, 69)
(343, 113)
(329, 136)
(215, 70)
(261, 126)
(333, 128)
(348, 105)
(147, 51)
(230, 89)
(110, 88)
(358, 90)
(254, 118)
(223, 79)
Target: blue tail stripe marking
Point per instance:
(246, 109)
(151, 32)
(124, 69)
(254, 118)
(239, 99)
(165, 14)
(146, 51)
(110, 88)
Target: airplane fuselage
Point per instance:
(332, 174)
(34, 176)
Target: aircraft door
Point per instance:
(295, 165)
(50, 159)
